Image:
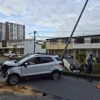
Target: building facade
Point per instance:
(12, 31)
(22, 46)
(88, 44)
(9, 45)
(57, 45)
(2, 31)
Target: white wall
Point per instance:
(86, 45)
(28, 46)
(38, 49)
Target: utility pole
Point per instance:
(34, 41)
(69, 40)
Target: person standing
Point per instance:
(89, 63)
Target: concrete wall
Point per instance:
(28, 46)
(86, 45)
(38, 49)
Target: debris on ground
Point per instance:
(22, 90)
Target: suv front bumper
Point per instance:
(3, 78)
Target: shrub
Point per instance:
(1, 54)
(81, 56)
(77, 56)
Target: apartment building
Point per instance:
(57, 45)
(2, 31)
(6, 45)
(15, 31)
(12, 31)
(25, 46)
(88, 44)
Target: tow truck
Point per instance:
(69, 62)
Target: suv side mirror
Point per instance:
(26, 64)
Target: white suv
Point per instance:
(36, 64)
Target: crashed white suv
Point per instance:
(37, 64)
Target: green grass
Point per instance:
(65, 70)
(95, 69)
(1, 55)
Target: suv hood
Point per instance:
(11, 63)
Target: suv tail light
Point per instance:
(60, 63)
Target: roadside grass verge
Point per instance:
(95, 70)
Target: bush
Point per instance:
(98, 59)
(77, 56)
(1, 54)
(81, 56)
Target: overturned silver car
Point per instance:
(72, 65)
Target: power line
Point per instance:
(67, 31)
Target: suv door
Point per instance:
(31, 69)
(46, 64)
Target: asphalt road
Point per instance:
(69, 88)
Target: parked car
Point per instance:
(7, 54)
(15, 57)
(37, 64)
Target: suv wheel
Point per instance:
(13, 79)
(55, 75)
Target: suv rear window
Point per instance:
(46, 59)
(58, 59)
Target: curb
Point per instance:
(85, 76)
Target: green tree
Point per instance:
(77, 56)
(44, 45)
(82, 56)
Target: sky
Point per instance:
(52, 18)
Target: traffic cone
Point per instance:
(98, 85)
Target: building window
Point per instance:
(79, 40)
(64, 41)
(53, 42)
(95, 40)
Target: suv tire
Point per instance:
(55, 75)
(13, 79)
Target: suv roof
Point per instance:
(44, 55)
